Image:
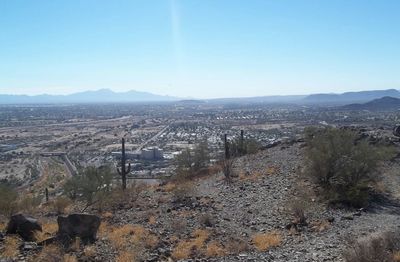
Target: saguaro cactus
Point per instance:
(226, 145)
(124, 171)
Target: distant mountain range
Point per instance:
(108, 96)
(386, 103)
(98, 96)
(350, 97)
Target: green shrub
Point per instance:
(91, 185)
(344, 165)
(8, 200)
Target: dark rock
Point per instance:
(331, 219)
(28, 246)
(84, 226)
(25, 226)
(347, 218)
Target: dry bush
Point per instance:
(50, 253)
(178, 225)
(169, 187)
(207, 220)
(29, 204)
(396, 256)
(319, 226)
(8, 200)
(103, 229)
(90, 251)
(132, 235)
(69, 258)
(298, 208)
(189, 248)
(107, 215)
(2, 226)
(236, 245)
(118, 197)
(265, 241)
(76, 244)
(60, 204)
(382, 247)
(152, 220)
(11, 247)
(183, 190)
(215, 249)
(48, 230)
(126, 256)
(227, 169)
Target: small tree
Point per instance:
(343, 164)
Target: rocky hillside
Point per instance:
(251, 219)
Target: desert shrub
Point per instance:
(382, 247)
(265, 241)
(227, 169)
(342, 164)
(215, 249)
(236, 245)
(60, 204)
(240, 148)
(117, 197)
(28, 203)
(298, 208)
(92, 185)
(207, 220)
(183, 191)
(191, 247)
(8, 198)
(11, 247)
(192, 162)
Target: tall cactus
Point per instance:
(226, 146)
(123, 171)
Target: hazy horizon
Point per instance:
(199, 49)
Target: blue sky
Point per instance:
(199, 48)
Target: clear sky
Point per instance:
(199, 48)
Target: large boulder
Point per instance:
(25, 226)
(84, 226)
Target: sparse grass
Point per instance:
(169, 187)
(152, 220)
(48, 230)
(215, 249)
(396, 256)
(236, 246)
(60, 204)
(320, 226)
(188, 248)
(90, 251)
(136, 235)
(384, 246)
(183, 190)
(206, 220)
(11, 247)
(69, 258)
(107, 215)
(50, 253)
(126, 256)
(265, 241)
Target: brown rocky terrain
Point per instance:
(250, 219)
